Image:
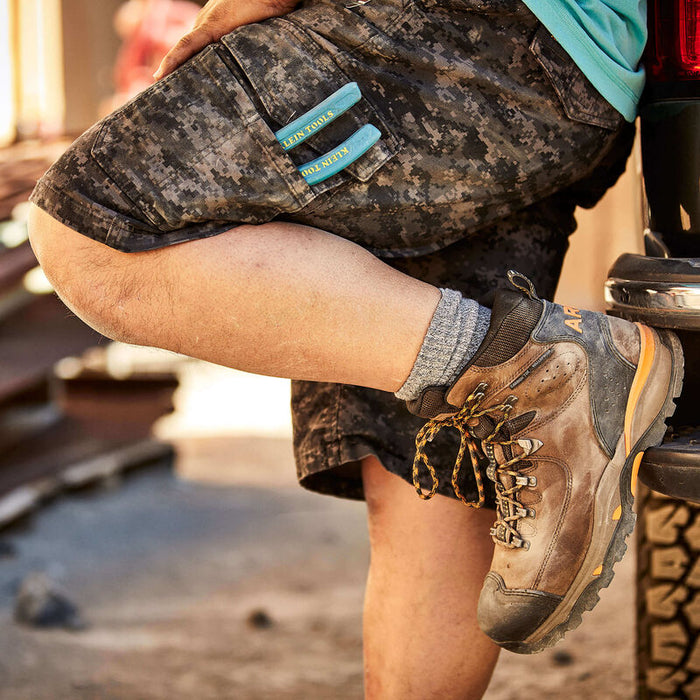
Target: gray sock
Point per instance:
(455, 333)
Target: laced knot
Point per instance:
(505, 475)
(509, 510)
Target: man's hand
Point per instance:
(219, 17)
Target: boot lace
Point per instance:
(509, 510)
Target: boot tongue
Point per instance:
(513, 318)
(484, 428)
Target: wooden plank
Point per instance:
(112, 408)
(14, 264)
(51, 451)
(69, 473)
(34, 338)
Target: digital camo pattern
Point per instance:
(335, 425)
(466, 95)
(490, 136)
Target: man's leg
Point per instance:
(428, 562)
(281, 299)
(277, 299)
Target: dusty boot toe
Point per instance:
(510, 616)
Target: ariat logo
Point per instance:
(575, 320)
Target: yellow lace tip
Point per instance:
(618, 513)
(598, 571)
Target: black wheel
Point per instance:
(668, 597)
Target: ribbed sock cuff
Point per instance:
(457, 328)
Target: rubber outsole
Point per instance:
(653, 436)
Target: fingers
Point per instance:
(219, 17)
(188, 46)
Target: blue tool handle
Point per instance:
(340, 157)
(321, 115)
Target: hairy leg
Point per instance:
(429, 559)
(297, 302)
(277, 299)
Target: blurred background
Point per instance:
(153, 541)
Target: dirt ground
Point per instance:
(238, 589)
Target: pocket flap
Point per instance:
(290, 73)
(579, 98)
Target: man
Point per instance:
(379, 280)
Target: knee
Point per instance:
(52, 250)
(84, 273)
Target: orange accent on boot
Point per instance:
(635, 472)
(618, 513)
(646, 360)
(598, 571)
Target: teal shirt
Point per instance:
(606, 39)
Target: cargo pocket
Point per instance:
(288, 73)
(579, 98)
(192, 148)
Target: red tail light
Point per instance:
(689, 25)
(673, 52)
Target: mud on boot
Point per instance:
(559, 404)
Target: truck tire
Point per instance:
(668, 597)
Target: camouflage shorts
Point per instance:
(490, 137)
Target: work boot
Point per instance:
(559, 405)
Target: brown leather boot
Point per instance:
(561, 403)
